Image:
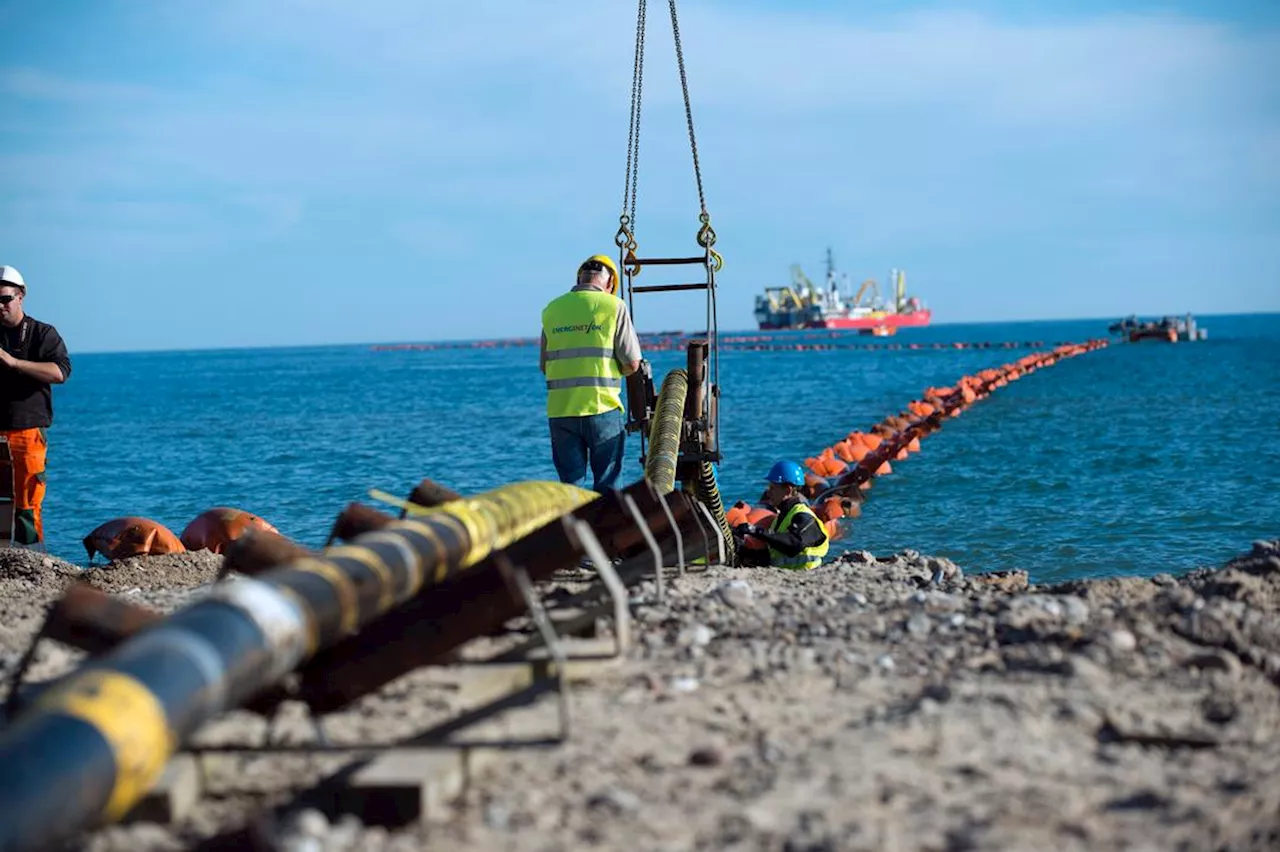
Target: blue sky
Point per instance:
(281, 172)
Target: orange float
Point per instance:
(814, 485)
(845, 452)
(216, 528)
(759, 517)
(737, 514)
(131, 536)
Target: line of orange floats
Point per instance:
(839, 477)
(211, 530)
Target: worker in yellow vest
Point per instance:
(797, 538)
(589, 345)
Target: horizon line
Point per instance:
(723, 332)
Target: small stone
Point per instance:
(957, 619)
(706, 756)
(695, 636)
(684, 684)
(345, 834)
(298, 843)
(885, 661)
(737, 594)
(311, 823)
(863, 556)
(1075, 609)
(1164, 580)
(1122, 641)
(857, 599)
(1220, 709)
(918, 624)
(496, 816)
(942, 570)
(1219, 660)
(772, 750)
(614, 799)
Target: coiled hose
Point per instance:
(664, 432)
(707, 490)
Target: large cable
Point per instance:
(664, 432)
(87, 749)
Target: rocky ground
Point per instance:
(858, 706)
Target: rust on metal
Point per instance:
(94, 621)
(258, 551)
(430, 494)
(357, 519)
(695, 401)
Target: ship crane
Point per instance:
(869, 284)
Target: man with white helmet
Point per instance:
(589, 345)
(33, 358)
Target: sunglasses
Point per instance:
(7, 298)
(593, 266)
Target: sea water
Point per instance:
(1135, 459)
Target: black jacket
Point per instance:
(804, 531)
(26, 403)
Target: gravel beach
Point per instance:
(891, 702)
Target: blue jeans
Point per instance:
(598, 439)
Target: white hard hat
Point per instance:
(9, 275)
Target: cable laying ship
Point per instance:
(804, 305)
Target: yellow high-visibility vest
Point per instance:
(583, 376)
(810, 557)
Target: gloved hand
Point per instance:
(746, 529)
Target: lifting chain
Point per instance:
(625, 238)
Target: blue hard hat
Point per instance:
(786, 473)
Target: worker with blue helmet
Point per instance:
(797, 539)
(786, 473)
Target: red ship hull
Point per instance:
(884, 324)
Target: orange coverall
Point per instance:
(28, 449)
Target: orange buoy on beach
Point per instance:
(132, 536)
(216, 528)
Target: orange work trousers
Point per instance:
(28, 449)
